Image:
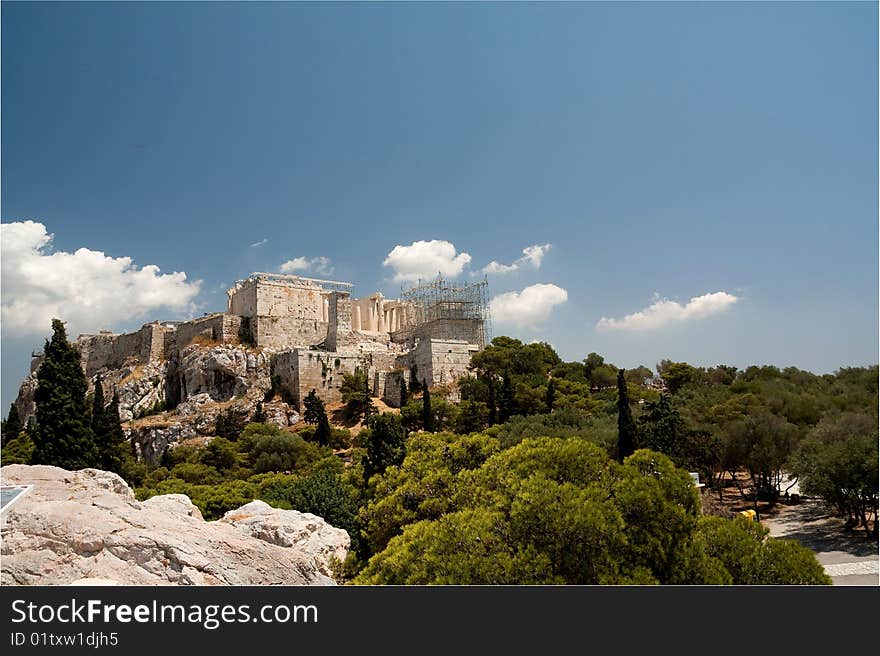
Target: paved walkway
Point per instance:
(848, 557)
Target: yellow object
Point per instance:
(750, 515)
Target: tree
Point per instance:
(472, 417)
(427, 413)
(592, 362)
(230, 424)
(662, 428)
(404, 394)
(355, 395)
(414, 379)
(12, 426)
(385, 443)
(762, 443)
(313, 408)
(493, 411)
(507, 407)
(259, 415)
(627, 438)
(109, 437)
(838, 462)
(676, 374)
(98, 417)
(63, 436)
(324, 431)
(550, 395)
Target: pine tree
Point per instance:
(259, 416)
(550, 399)
(12, 426)
(427, 413)
(386, 444)
(626, 427)
(404, 393)
(63, 436)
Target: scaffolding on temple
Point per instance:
(442, 300)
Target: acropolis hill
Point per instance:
(282, 336)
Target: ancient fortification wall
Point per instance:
(108, 350)
(217, 327)
(439, 360)
(300, 371)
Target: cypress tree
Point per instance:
(404, 393)
(111, 437)
(493, 413)
(414, 379)
(550, 399)
(63, 436)
(259, 415)
(427, 414)
(12, 426)
(507, 407)
(98, 418)
(626, 427)
(313, 408)
(324, 430)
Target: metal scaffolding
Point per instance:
(440, 299)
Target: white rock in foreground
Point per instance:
(87, 524)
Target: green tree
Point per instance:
(404, 393)
(507, 407)
(427, 413)
(414, 379)
(627, 438)
(313, 408)
(472, 417)
(12, 425)
(838, 462)
(676, 374)
(323, 432)
(230, 424)
(662, 428)
(110, 439)
(550, 395)
(355, 396)
(259, 415)
(221, 454)
(592, 362)
(63, 436)
(386, 443)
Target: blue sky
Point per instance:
(664, 151)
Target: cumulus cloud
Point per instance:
(320, 265)
(663, 312)
(425, 259)
(532, 256)
(257, 244)
(87, 289)
(529, 307)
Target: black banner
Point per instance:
(410, 619)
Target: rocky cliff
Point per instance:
(87, 525)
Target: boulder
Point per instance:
(87, 525)
(304, 532)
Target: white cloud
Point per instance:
(663, 312)
(529, 307)
(532, 256)
(87, 289)
(319, 265)
(425, 259)
(257, 244)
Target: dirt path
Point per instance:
(848, 557)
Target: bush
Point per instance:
(221, 454)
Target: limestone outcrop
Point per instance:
(87, 525)
(223, 372)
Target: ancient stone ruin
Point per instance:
(285, 335)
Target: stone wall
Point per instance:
(110, 351)
(299, 371)
(439, 361)
(469, 330)
(287, 332)
(217, 327)
(391, 391)
(339, 311)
